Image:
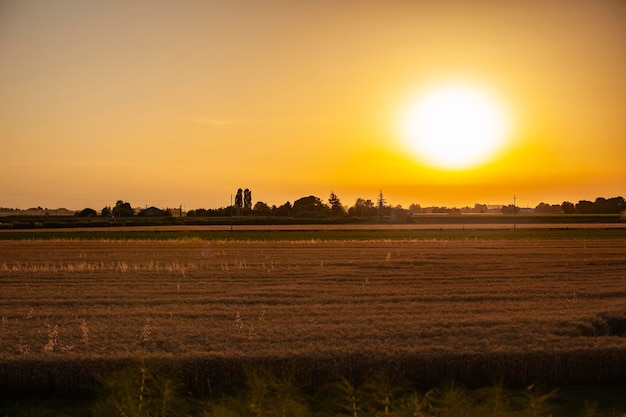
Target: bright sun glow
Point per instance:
(455, 127)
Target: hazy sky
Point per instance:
(182, 102)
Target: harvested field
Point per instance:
(467, 310)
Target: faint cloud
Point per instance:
(216, 121)
(237, 121)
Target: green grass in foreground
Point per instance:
(347, 234)
(140, 391)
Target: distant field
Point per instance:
(472, 310)
(444, 231)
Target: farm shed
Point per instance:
(399, 215)
(153, 212)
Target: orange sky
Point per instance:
(167, 103)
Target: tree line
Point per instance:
(314, 207)
(601, 205)
(305, 207)
(309, 206)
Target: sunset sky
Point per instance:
(182, 102)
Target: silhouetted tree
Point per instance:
(613, 205)
(362, 208)
(568, 207)
(247, 199)
(584, 207)
(239, 200)
(262, 209)
(284, 210)
(619, 204)
(336, 209)
(219, 212)
(106, 212)
(547, 208)
(308, 206)
(122, 209)
(602, 205)
(510, 209)
(87, 212)
(196, 213)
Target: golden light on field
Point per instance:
(455, 126)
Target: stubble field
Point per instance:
(469, 310)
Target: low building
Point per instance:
(399, 215)
(152, 212)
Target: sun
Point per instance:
(455, 126)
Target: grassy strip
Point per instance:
(347, 234)
(149, 387)
(206, 374)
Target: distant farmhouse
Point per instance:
(152, 212)
(157, 212)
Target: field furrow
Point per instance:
(114, 299)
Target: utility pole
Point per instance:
(231, 212)
(381, 204)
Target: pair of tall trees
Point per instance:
(243, 200)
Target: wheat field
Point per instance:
(463, 309)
